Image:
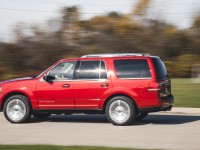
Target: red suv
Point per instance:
(124, 86)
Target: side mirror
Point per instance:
(48, 78)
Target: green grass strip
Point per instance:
(53, 147)
(186, 93)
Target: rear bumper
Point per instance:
(169, 99)
(156, 109)
(167, 105)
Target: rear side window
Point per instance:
(161, 71)
(92, 70)
(103, 73)
(132, 68)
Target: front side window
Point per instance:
(63, 70)
(92, 70)
(132, 68)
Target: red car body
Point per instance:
(92, 94)
(85, 94)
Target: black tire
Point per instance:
(141, 116)
(41, 115)
(20, 104)
(128, 103)
(68, 113)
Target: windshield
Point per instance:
(37, 76)
(161, 71)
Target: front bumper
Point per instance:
(1, 99)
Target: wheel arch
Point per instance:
(118, 94)
(12, 94)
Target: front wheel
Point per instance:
(17, 109)
(120, 110)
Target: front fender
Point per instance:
(19, 88)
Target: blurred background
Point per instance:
(34, 34)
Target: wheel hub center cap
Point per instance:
(16, 108)
(119, 110)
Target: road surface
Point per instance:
(159, 130)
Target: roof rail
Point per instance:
(114, 55)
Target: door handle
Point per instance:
(104, 85)
(65, 85)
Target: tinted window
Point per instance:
(160, 68)
(63, 70)
(103, 74)
(89, 70)
(132, 68)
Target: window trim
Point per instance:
(81, 80)
(135, 78)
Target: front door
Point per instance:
(58, 94)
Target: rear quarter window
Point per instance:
(132, 68)
(161, 71)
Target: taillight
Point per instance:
(153, 86)
(163, 88)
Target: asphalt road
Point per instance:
(158, 130)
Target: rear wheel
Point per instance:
(140, 116)
(41, 115)
(17, 109)
(120, 110)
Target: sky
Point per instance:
(12, 12)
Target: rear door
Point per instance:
(91, 84)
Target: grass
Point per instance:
(51, 147)
(186, 93)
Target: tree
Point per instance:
(70, 15)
